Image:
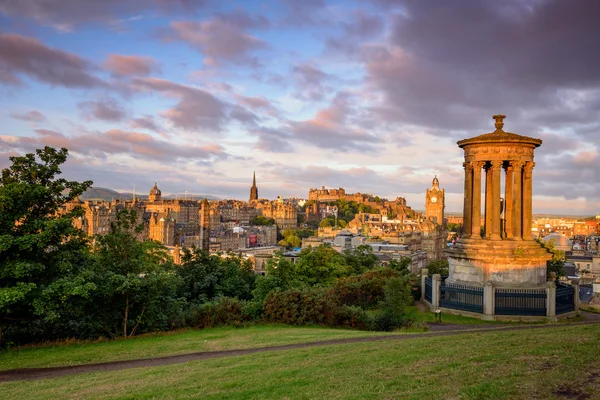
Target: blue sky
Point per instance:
(370, 95)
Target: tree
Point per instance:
(136, 283)
(361, 259)
(206, 277)
(38, 243)
(320, 265)
(402, 265)
(557, 263)
(438, 267)
(259, 220)
(290, 239)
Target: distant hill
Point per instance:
(104, 194)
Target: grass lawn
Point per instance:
(559, 362)
(166, 344)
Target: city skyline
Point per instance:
(371, 96)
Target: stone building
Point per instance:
(161, 227)
(253, 189)
(435, 200)
(331, 195)
(183, 211)
(284, 214)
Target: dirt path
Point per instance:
(53, 372)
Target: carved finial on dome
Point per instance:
(499, 121)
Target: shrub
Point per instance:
(366, 290)
(223, 311)
(397, 297)
(301, 307)
(353, 318)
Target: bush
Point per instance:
(366, 290)
(223, 311)
(301, 307)
(397, 297)
(353, 318)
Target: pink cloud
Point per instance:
(107, 110)
(26, 56)
(219, 40)
(115, 142)
(122, 65)
(31, 116)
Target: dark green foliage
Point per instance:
(206, 277)
(259, 220)
(40, 250)
(397, 297)
(223, 311)
(136, 283)
(437, 267)
(290, 239)
(366, 290)
(361, 259)
(301, 307)
(557, 263)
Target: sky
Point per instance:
(369, 95)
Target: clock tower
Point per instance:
(435, 203)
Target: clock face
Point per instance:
(434, 199)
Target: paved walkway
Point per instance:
(451, 330)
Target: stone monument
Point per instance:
(502, 251)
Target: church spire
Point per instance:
(254, 188)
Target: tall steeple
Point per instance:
(254, 189)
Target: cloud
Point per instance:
(146, 122)
(64, 15)
(106, 110)
(26, 56)
(196, 109)
(333, 128)
(115, 142)
(312, 83)
(123, 65)
(31, 116)
(354, 30)
(221, 39)
(446, 62)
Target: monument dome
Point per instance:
(560, 241)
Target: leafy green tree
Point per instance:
(136, 282)
(207, 277)
(393, 307)
(557, 263)
(321, 265)
(38, 243)
(259, 220)
(402, 265)
(438, 267)
(361, 259)
(290, 239)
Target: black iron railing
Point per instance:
(565, 299)
(520, 302)
(461, 297)
(428, 289)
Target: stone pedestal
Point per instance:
(501, 262)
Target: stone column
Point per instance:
(468, 199)
(476, 201)
(436, 279)
(496, 168)
(489, 195)
(575, 284)
(551, 300)
(488, 301)
(424, 275)
(517, 197)
(508, 201)
(527, 199)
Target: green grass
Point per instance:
(179, 342)
(418, 316)
(524, 364)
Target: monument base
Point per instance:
(506, 263)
